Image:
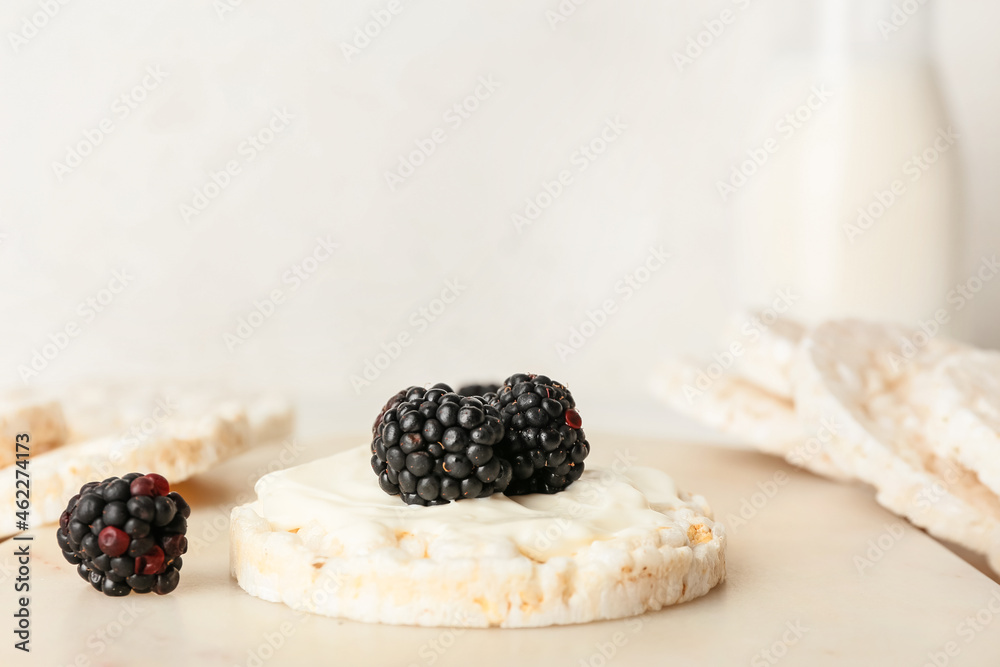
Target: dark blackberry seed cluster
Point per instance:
(126, 534)
(478, 389)
(543, 438)
(432, 446)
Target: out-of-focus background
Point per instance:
(336, 200)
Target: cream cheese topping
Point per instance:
(337, 503)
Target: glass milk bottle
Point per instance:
(856, 208)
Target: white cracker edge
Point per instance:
(189, 449)
(609, 579)
(740, 408)
(766, 360)
(900, 487)
(109, 408)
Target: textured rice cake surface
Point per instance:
(855, 374)
(42, 420)
(961, 398)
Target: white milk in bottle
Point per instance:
(856, 209)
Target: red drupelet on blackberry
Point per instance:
(126, 534)
(543, 439)
(432, 446)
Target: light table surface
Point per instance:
(818, 574)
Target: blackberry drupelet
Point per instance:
(393, 401)
(126, 534)
(543, 438)
(478, 389)
(432, 446)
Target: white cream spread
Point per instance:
(336, 502)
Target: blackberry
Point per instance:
(126, 534)
(432, 446)
(478, 389)
(543, 438)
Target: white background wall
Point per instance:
(323, 176)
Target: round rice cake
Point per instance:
(323, 537)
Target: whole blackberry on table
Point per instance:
(478, 389)
(543, 438)
(126, 534)
(432, 446)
